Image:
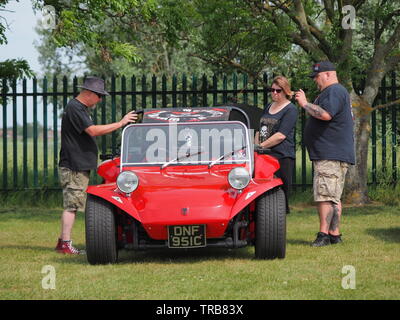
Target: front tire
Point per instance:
(271, 225)
(101, 240)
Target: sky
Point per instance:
(21, 33)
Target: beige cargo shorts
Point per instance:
(74, 185)
(329, 177)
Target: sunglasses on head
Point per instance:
(275, 90)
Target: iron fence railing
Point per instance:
(31, 115)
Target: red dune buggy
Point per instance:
(187, 178)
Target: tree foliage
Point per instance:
(11, 68)
(89, 22)
(15, 68)
(231, 37)
(133, 36)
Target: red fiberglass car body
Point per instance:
(186, 178)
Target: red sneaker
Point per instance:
(67, 248)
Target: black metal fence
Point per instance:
(31, 113)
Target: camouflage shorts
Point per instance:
(74, 184)
(329, 177)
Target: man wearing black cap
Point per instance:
(78, 154)
(329, 139)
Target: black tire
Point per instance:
(101, 240)
(271, 225)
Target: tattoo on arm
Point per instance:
(314, 110)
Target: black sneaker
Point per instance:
(323, 239)
(335, 239)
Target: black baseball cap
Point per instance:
(322, 67)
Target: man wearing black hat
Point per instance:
(329, 140)
(78, 154)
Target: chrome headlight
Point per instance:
(239, 178)
(127, 181)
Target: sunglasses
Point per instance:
(275, 90)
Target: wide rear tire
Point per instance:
(101, 240)
(271, 225)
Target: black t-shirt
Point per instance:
(78, 149)
(334, 139)
(284, 122)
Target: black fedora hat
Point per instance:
(322, 67)
(94, 84)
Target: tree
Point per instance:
(111, 29)
(157, 57)
(324, 30)
(11, 68)
(133, 37)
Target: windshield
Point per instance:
(185, 144)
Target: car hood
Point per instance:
(183, 194)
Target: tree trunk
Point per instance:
(356, 189)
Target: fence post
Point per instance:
(373, 146)
(144, 88)
(194, 90)
(184, 91)
(123, 96)
(234, 86)
(154, 91)
(5, 133)
(174, 89)
(55, 132)
(265, 91)
(103, 121)
(224, 88)
(35, 134)
(133, 89)
(24, 135)
(394, 129)
(245, 96)
(95, 113)
(204, 87)
(15, 134)
(164, 91)
(113, 115)
(383, 119)
(255, 93)
(65, 92)
(215, 89)
(303, 152)
(45, 150)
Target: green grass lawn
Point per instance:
(371, 245)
